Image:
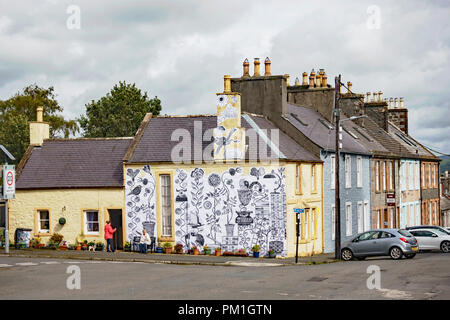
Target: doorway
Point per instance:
(115, 216)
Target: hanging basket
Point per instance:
(62, 221)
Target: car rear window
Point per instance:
(405, 233)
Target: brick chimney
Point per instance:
(39, 130)
(398, 115)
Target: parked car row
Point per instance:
(396, 243)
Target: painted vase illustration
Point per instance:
(229, 229)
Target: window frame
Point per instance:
(163, 228)
(359, 170)
(38, 230)
(348, 171)
(85, 222)
(348, 219)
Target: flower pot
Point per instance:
(159, 250)
(195, 252)
(127, 249)
(99, 248)
(78, 247)
(168, 250)
(218, 253)
(207, 252)
(256, 254)
(272, 255)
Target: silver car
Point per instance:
(432, 239)
(395, 243)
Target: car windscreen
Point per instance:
(405, 233)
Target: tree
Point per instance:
(17, 111)
(119, 113)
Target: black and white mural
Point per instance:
(231, 210)
(140, 201)
(225, 209)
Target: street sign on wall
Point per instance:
(299, 210)
(9, 182)
(390, 199)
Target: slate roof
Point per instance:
(74, 163)
(155, 143)
(320, 131)
(413, 147)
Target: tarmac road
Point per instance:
(427, 276)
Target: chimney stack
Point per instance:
(267, 66)
(312, 76)
(287, 79)
(396, 103)
(391, 103)
(367, 97)
(324, 79)
(39, 130)
(380, 96)
(39, 114)
(305, 79)
(297, 82)
(375, 97)
(246, 65)
(401, 103)
(349, 87)
(318, 80)
(256, 63)
(226, 84)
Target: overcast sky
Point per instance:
(180, 50)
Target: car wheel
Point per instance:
(396, 253)
(445, 246)
(410, 255)
(361, 258)
(346, 255)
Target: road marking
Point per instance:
(5, 265)
(395, 294)
(26, 264)
(50, 262)
(252, 264)
(283, 294)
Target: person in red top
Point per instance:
(109, 231)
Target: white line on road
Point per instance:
(26, 264)
(5, 265)
(252, 264)
(50, 262)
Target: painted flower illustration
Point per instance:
(234, 99)
(232, 171)
(207, 205)
(214, 180)
(182, 175)
(197, 173)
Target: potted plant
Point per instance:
(84, 246)
(179, 248)
(228, 253)
(56, 238)
(127, 246)
(99, 246)
(241, 253)
(218, 251)
(167, 247)
(63, 246)
(206, 250)
(255, 250)
(72, 247)
(272, 253)
(195, 251)
(159, 249)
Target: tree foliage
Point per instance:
(119, 113)
(17, 111)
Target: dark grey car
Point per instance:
(395, 243)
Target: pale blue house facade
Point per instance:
(354, 172)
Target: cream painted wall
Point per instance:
(23, 210)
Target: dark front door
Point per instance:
(115, 216)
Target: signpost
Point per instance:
(9, 189)
(298, 212)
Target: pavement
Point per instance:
(180, 259)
